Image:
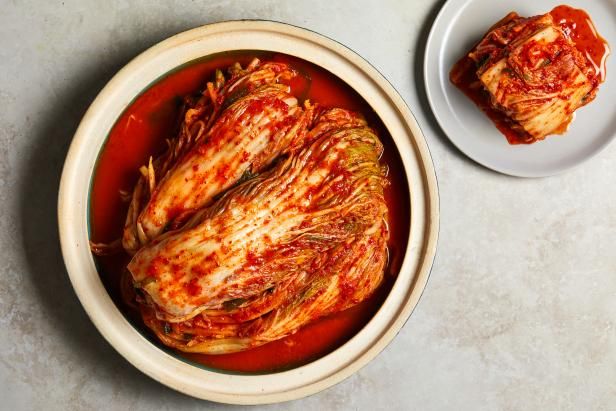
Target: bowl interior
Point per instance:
(141, 130)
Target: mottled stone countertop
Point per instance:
(520, 309)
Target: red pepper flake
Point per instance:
(223, 173)
(157, 266)
(347, 289)
(252, 258)
(193, 288)
(177, 270)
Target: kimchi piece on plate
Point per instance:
(530, 75)
(262, 216)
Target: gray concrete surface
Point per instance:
(520, 309)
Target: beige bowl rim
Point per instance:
(91, 136)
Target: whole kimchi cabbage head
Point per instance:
(262, 216)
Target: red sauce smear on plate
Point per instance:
(141, 131)
(577, 25)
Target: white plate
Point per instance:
(458, 26)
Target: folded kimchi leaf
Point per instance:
(297, 242)
(534, 74)
(237, 126)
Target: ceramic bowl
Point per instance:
(91, 136)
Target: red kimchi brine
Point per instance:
(530, 74)
(276, 135)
